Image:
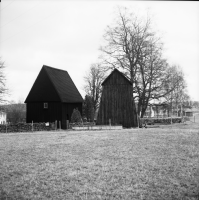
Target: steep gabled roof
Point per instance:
(116, 71)
(54, 85)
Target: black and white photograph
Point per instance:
(99, 100)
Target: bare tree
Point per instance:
(174, 89)
(195, 104)
(3, 89)
(150, 77)
(93, 88)
(133, 47)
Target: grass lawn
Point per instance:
(153, 163)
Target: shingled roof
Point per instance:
(54, 85)
(116, 71)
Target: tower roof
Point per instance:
(120, 74)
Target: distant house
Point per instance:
(116, 101)
(157, 110)
(188, 112)
(52, 97)
(3, 117)
(164, 110)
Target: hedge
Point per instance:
(168, 120)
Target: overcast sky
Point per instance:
(68, 34)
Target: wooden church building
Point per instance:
(116, 101)
(52, 97)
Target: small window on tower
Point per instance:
(45, 105)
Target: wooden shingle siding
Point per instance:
(116, 101)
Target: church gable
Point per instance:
(54, 85)
(116, 78)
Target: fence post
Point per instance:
(32, 126)
(6, 127)
(110, 123)
(82, 123)
(67, 124)
(55, 125)
(138, 121)
(60, 125)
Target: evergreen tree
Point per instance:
(76, 116)
(88, 108)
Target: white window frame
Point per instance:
(45, 105)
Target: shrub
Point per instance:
(76, 116)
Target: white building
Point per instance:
(3, 117)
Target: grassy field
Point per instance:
(153, 163)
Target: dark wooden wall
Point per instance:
(37, 113)
(55, 111)
(116, 102)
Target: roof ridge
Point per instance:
(46, 66)
(122, 74)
